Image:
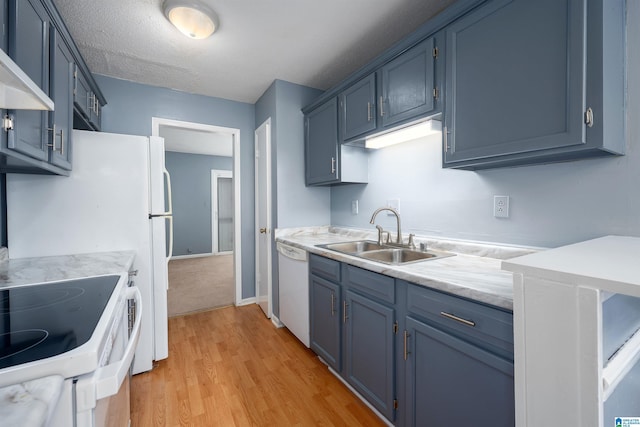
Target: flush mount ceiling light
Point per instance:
(193, 18)
(409, 133)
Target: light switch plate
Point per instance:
(354, 207)
(501, 206)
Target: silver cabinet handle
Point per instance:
(446, 143)
(333, 304)
(333, 165)
(588, 117)
(406, 339)
(53, 139)
(458, 319)
(368, 111)
(381, 102)
(344, 312)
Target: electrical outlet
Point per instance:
(501, 206)
(354, 207)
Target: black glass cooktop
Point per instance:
(45, 320)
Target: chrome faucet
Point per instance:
(395, 212)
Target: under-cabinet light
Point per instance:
(193, 18)
(409, 133)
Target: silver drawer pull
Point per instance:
(458, 319)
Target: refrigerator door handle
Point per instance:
(170, 218)
(166, 174)
(170, 213)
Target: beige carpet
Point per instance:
(202, 283)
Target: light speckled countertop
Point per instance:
(475, 272)
(27, 271)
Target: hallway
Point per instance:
(197, 284)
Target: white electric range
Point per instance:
(77, 330)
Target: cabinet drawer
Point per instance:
(324, 267)
(370, 283)
(474, 321)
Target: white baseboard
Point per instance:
(246, 301)
(276, 322)
(191, 256)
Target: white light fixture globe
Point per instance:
(193, 18)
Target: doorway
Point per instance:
(263, 217)
(201, 276)
(222, 215)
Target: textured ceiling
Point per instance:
(315, 43)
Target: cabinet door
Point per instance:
(324, 317)
(515, 79)
(358, 108)
(321, 144)
(369, 351)
(81, 94)
(452, 382)
(29, 48)
(95, 112)
(61, 81)
(408, 85)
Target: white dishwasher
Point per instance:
(293, 270)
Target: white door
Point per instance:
(222, 211)
(263, 216)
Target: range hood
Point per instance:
(17, 90)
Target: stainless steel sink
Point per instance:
(387, 254)
(354, 247)
(400, 255)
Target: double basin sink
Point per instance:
(386, 254)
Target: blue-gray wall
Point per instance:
(130, 108)
(293, 204)
(191, 196)
(551, 205)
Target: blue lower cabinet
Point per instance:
(419, 356)
(324, 317)
(452, 382)
(369, 367)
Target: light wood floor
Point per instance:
(231, 367)
(197, 284)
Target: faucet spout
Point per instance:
(395, 212)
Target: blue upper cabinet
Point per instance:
(402, 90)
(321, 144)
(327, 161)
(29, 48)
(408, 88)
(525, 85)
(39, 42)
(358, 108)
(61, 119)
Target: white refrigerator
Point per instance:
(113, 200)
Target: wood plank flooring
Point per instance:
(231, 367)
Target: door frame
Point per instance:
(156, 122)
(268, 225)
(215, 174)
